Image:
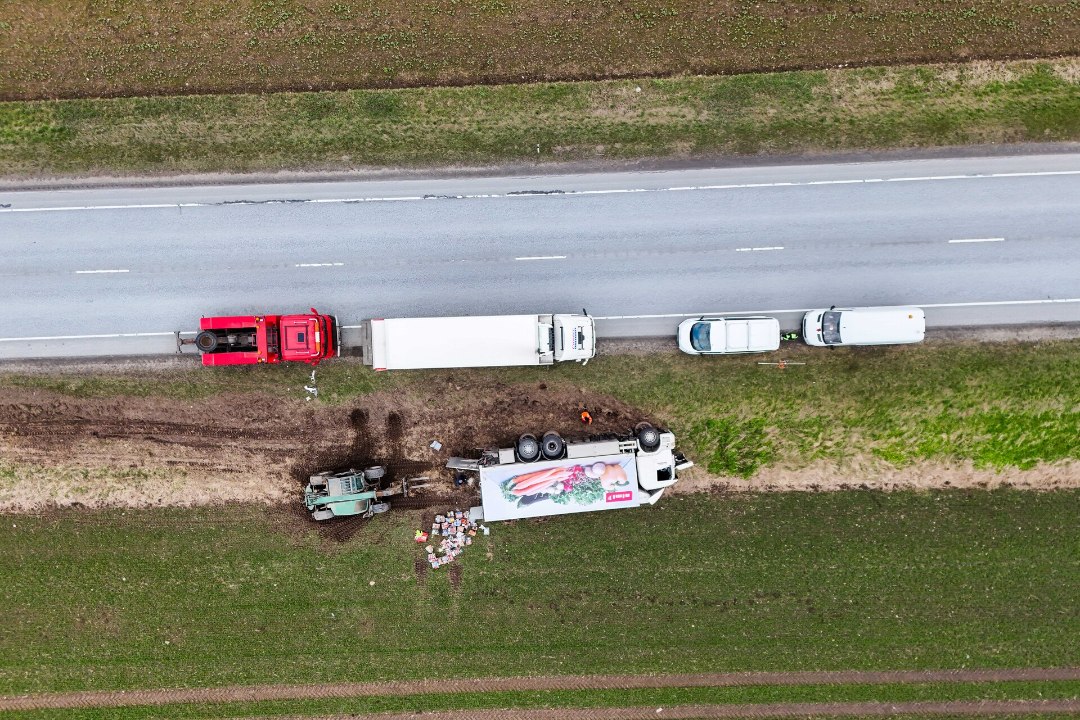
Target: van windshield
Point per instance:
(699, 336)
(830, 328)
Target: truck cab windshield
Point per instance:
(830, 328)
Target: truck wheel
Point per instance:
(374, 472)
(552, 446)
(206, 341)
(648, 437)
(527, 448)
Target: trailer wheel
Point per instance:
(374, 472)
(648, 437)
(527, 448)
(552, 446)
(206, 341)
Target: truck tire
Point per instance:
(206, 341)
(648, 437)
(527, 449)
(552, 446)
(374, 472)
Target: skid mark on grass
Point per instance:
(256, 693)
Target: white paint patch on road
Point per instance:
(757, 249)
(560, 193)
(320, 264)
(976, 240)
(542, 257)
(98, 272)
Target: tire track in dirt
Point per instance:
(255, 693)
(708, 712)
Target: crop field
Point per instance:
(64, 48)
(850, 580)
(617, 120)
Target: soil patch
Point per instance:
(60, 450)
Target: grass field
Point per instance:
(64, 48)
(683, 117)
(792, 581)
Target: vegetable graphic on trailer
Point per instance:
(558, 487)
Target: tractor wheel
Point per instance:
(552, 446)
(379, 508)
(375, 472)
(206, 341)
(322, 515)
(527, 448)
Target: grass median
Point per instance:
(244, 595)
(681, 117)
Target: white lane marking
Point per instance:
(756, 249)
(542, 257)
(320, 264)
(98, 272)
(1047, 301)
(989, 303)
(976, 240)
(86, 337)
(519, 194)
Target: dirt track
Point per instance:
(704, 712)
(110, 699)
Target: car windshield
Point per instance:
(830, 328)
(699, 336)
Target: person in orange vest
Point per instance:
(586, 418)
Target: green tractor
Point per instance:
(352, 492)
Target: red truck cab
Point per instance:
(253, 339)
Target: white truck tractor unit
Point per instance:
(552, 476)
(477, 341)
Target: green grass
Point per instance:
(116, 48)
(141, 598)
(683, 117)
(612, 698)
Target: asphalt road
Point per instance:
(954, 234)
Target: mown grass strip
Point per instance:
(69, 49)
(680, 117)
(241, 595)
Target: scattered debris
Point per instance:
(420, 537)
(457, 532)
(436, 445)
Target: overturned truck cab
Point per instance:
(552, 476)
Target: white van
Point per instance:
(720, 336)
(864, 326)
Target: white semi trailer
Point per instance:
(551, 476)
(476, 341)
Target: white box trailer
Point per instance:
(556, 477)
(476, 341)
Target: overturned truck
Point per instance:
(552, 476)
